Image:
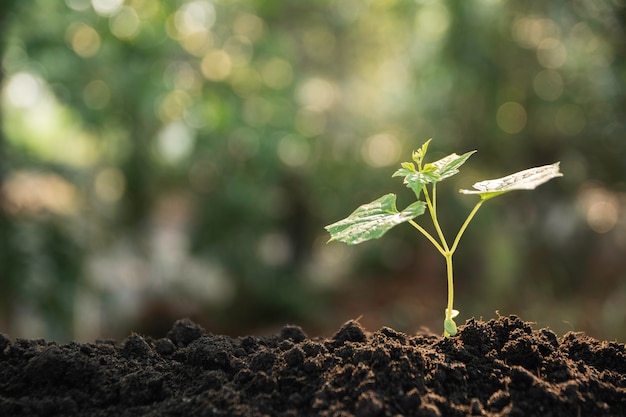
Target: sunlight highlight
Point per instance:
(599, 206)
(23, 90)
(317, 94)
(107, 7)
(530, 31)
(173, 106)
(195, 16)
(551, 53)
(175, 142)
(28, 192)
(381, 149)
(83, 39)
(277, 73)
(293, 151)
(125, 24)
(432, 21)
(511, 117)
(249, 25)
(216, 65)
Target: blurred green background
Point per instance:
(161, 160)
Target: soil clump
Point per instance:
(497, 368)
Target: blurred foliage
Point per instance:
(168, 159)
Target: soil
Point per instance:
(498, 368)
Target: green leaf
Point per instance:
(372, 220)
(528, 179)
(433, 172)
(419, 155)
(407, 169)
(447, 166)
(412, 179)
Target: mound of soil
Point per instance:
(499, 368)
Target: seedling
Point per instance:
(371, 221)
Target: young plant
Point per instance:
(371, 221)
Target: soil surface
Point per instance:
(498, 368)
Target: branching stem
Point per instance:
(442, 246)
(465, 224)
(428, 236)
(433, 214)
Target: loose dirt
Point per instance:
(498, 368)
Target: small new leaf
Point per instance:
(412, 179)
(418, 155)
(372, 220)
(528, 179)
(408, 168)
(430, 173)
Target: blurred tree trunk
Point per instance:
(8, 265)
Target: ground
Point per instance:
(498, 368)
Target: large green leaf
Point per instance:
(528, 179)
(447, 166)
(372, 220)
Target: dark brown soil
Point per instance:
(499, 368)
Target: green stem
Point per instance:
(443, 248)
(433, 216)
(448, 257)
(428, 236)
(464, 226)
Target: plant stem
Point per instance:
(448, 257)
(465, 224)
(428, 236)
(442, 247)
(433, 215)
